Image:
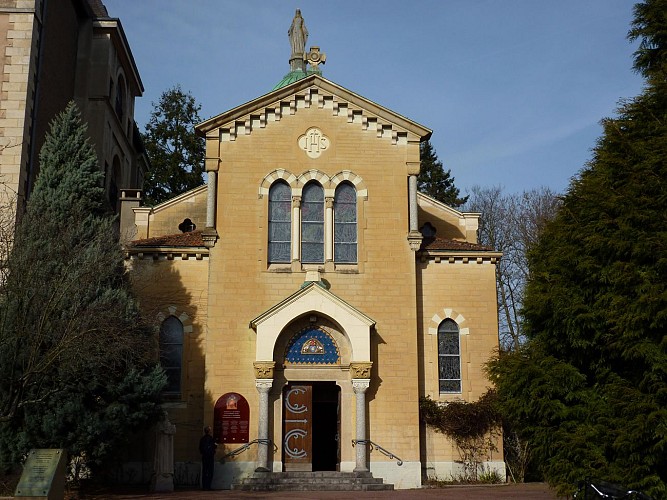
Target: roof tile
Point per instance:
(191, 239)
(452, 245)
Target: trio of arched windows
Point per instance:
(313, 228)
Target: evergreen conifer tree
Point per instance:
(175, 152)
(77, 368)
(589, 390)
(434, 180)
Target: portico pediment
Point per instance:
(313, 298)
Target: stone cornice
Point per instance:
(459, 257)
(313, 91)
(166, 253)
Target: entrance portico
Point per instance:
(312, 338)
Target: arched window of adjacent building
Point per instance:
(120, 98)
(114, 182)
(449, 357)
(345, 224)
(280, 222)
(171, 352)
(312, 224)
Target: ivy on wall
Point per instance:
(472, 426)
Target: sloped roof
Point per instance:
(453, 245)
(180, 240)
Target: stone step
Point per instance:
(312, 481)
(323, 480)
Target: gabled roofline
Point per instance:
(443, 206)
(318, 81)
(311, 287)
(177, 199)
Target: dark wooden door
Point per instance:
(297, 430)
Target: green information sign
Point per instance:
(43, 475)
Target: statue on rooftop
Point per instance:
(298, 34)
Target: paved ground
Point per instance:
(531, 491)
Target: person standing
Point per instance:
(207, 448)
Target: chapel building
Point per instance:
(308, 294)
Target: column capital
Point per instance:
(296, 201)
(360, 385)
(413, 167)
(415, 239)
(264, 369)
(361, 369)
(212, 164)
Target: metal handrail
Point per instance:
(378, 448)
(243, 448)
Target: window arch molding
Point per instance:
(352, 178)
(278, 174)
(179, 314)
(314, 175)
(447, 313)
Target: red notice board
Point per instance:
(231, 419)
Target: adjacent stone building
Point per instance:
(52, 53)
(308, 295)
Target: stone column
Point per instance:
(361, 379)
(359, 386)
(210, 199)
(263, 383)
(412, 196)
(328, 230)
(296, 228)
(414, 236)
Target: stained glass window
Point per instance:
(280, 222)
(171, 352)
(312, 346)
(312, 223)
(345, 224)
(449, 357)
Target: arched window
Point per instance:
(120, 98)
(449, 357)
(280, 225)
(114, 183)
(345, 224)
(171, 352)
(312, 224)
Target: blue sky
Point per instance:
(513, 90)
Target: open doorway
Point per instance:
(311, 426)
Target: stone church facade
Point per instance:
(308, 295)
